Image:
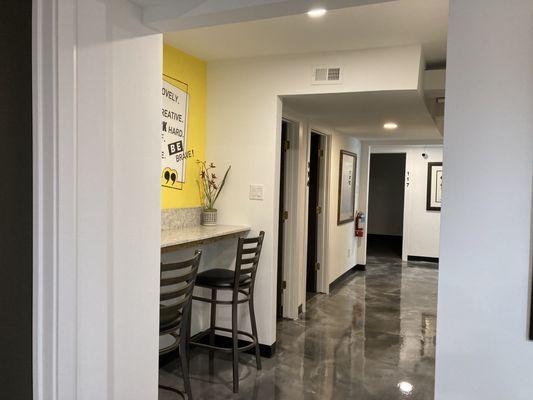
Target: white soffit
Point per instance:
(397, 23)
(175, 15)
(363, 114)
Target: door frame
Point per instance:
(406, 194)
(298, 203)
(395, 148)
(322, 284)
(298, 197)
(55, 259)
(314, 171)
(282, 221)
(290, 271)
(291, 227)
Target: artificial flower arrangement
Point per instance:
(209, 190)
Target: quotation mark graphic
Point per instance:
(170, 175)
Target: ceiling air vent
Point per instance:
(326, 75)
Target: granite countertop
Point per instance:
(197, 234)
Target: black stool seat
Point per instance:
(218, 277)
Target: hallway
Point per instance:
(376, 329)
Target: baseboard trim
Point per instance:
(225, 341)
(360, 267)
(426, 259)
(346, 275)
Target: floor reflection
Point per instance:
(373, 338)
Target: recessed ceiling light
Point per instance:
(390, 125)
(317, 12)
(405, 387)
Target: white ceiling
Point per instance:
(178, 15)
(395, 23)
(363, 114)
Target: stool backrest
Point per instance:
(248, 253)
(177, 284)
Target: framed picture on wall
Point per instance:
(347, 181)
(434, 189)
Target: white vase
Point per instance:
(209, 217)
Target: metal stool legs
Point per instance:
(254, 331)
(184, 361)
(212, 330)
(235, 348)
(235, 336)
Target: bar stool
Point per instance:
(177, 284)
(241, 283)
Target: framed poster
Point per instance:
(434, 186)
(173, 135)
(347, 181)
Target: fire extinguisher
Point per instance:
(360, 224)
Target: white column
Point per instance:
(97, 106)
(485, 270)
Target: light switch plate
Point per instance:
(256, 192)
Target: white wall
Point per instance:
(421, 230)
(108, 203)
(243, 129)
(342, 246)
(423, 236)
(484, 279)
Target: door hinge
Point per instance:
(285, 216)
(286, 145)
(318, 210)
(321, 153)
(284, 285)
(317, 266)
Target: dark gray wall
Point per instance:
(386, 194)
(15, 200)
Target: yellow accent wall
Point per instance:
(193, 72)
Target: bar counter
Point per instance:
(176, 239)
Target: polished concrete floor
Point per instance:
(372, 338)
